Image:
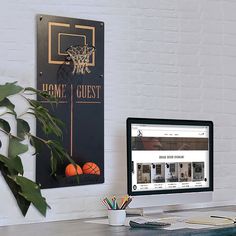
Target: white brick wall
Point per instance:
(163, 58)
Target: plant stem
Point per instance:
(42, 140)
(5, 132)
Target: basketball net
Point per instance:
(80, 57)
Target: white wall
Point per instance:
(163, 58)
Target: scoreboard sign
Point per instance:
(70, 66)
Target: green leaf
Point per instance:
(61, 152)
(31, 192)
(13, 165)
(15, 147)
(53, 161)
(15, 188)
(4, 125)
(16, 162)
(36, 143)
(49, 123)
(58, 153)
(34, 103)
(42, 94)
(22, 128)
(6, 166)
(9, 89)
(8, 104)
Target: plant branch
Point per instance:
(27, 191)
(3, 131)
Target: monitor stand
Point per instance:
(134, 211)
(143, 211)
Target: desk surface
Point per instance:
(79, 227)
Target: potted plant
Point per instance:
(25, 190)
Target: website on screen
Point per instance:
(168, 157)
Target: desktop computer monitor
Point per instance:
(169, 161)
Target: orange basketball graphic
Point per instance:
(91, 168)
(71, 170)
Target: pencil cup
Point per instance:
(116, 217)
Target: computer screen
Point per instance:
(169, 156)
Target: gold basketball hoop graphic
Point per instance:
(80, 55)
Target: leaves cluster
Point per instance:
(25, 190)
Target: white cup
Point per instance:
(116, 217)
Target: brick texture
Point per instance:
(163, 58)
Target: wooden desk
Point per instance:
(80, 228)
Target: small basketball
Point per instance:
(71, 170)
(91, 168)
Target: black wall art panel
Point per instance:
(70, 66)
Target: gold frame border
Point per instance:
(51, 24)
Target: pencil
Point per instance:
(126, 204)
(108, 202)
(125, 199)
(105, 204)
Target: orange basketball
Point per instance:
(71, 170)
(91, 168)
